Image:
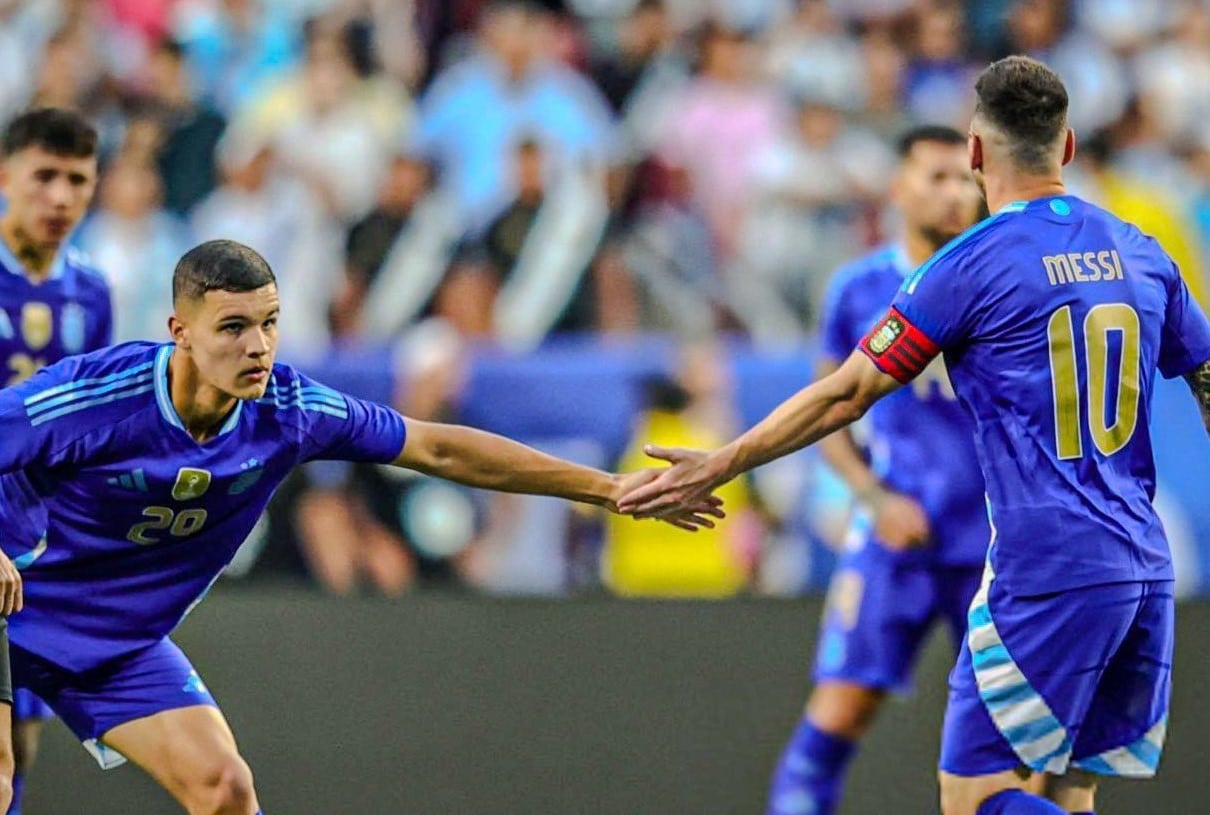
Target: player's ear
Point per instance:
(178, 332)
(974, 146)
(1069, 147)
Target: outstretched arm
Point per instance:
(806, 417)
(479, 459)
(1199, 383)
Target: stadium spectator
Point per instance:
(258, 203)
(508, 88)
(135, 243)
(191, 130)
(235, 46)
(711, 128)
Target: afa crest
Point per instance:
(37, 325)
(190, 483)
(71, 328)
(885, 335)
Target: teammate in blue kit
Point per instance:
(154, 462)
(52, 305)
(915, 551)
(1054, 317)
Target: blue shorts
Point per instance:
(91, 703)
(880, 607)
(27, 706)
(1077, 679)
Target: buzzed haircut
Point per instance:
(220, 265)
(55, 130)
(1027, 102)
(941, 134)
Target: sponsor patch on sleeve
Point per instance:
(898, 348)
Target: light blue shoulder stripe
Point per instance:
(75, 407)
(85, 394)
(86, 383)
(913, 280)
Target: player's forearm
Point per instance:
(1199, 383)
(484, 460)
(806, 417)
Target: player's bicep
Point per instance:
(1185, 340)
(863, 380)
(897, 347)
(421, 446)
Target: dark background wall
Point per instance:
(452, 705)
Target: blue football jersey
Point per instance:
(1053, 316)
(143, 518)
(921, 441)
(40, 323)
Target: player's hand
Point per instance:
(899, 522)
(689, 519)
(681, 488)
(10, 587)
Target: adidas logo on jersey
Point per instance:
(129, 481)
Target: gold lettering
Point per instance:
(1105, 263)
(1076, 271)
(1117, 262)
(1090, 259)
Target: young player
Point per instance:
(915, 552)
(154, 462)
(1054, 316)
(52, 305)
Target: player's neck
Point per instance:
(202, 408)
(35, 260)
(1002, 191)
(918, 247)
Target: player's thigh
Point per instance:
(183, 749)
(962, 795)
(878, 610)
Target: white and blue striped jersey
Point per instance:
(141, 517)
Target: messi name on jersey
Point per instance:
(1083, 267)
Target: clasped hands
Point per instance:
(679, 494)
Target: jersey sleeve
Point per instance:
(836, 340)
(1185, 340)
(343, 427)
(29, 436)
(930, 313)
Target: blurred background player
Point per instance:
(52, 305)
(916, 547)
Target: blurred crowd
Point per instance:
(466, 171)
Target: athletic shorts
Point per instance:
(1079, 678)
(27, 706)
(880, 607)
(132, 686)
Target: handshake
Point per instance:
(679, 494)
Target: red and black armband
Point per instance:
(898, 348)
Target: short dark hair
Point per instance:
(1026, 101)
(56, 130)
(219, 266)
(942, 134)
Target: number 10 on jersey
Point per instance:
(1102, 321)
